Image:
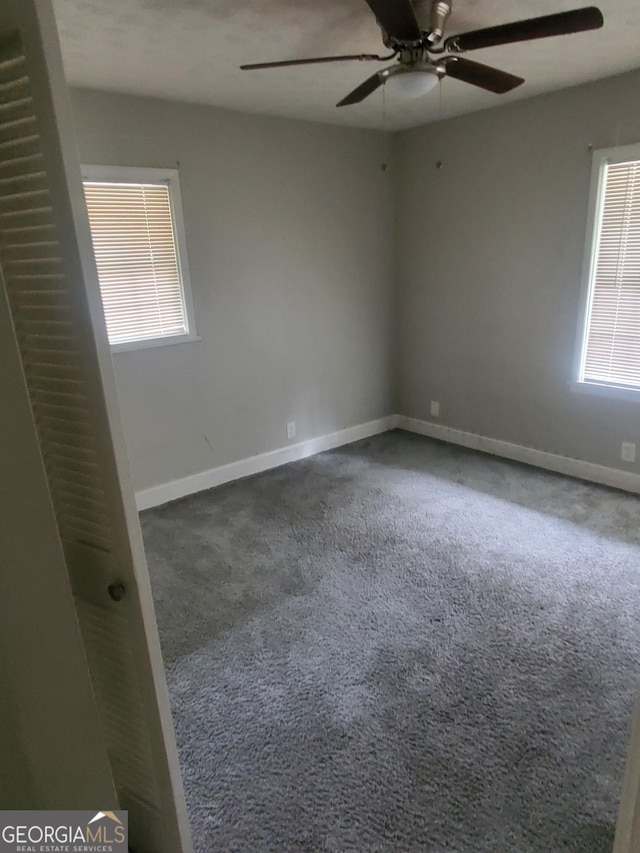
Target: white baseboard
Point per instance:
(626, 480)
(157, 495)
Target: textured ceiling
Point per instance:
(190, 50)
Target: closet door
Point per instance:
(53, 754)
(52, 289)
(627, 838)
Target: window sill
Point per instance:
(611, 391)
(153, 342)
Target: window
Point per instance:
(610, 326)
(138, 242)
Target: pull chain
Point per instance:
(384, 108)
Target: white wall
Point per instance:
(289, 233)
(299, 276)
(490, 254)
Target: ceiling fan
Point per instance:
(414, 32)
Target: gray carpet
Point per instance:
(400, 646)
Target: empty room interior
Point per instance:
(375, 369)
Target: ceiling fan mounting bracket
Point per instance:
(452, 46)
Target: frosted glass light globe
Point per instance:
(411, 84)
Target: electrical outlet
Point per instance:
(628, 451)
(435, 409)
(291, 429)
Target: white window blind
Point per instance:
(612, 345)
(134, 243)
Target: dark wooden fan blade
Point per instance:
(363, 90)
(397, 19)
(579, 20)
(484, 76)
(315, 60)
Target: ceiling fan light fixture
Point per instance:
(414, 29)
(408, 82)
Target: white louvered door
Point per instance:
(52, 289)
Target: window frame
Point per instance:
(601, 158)
(169, 177)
